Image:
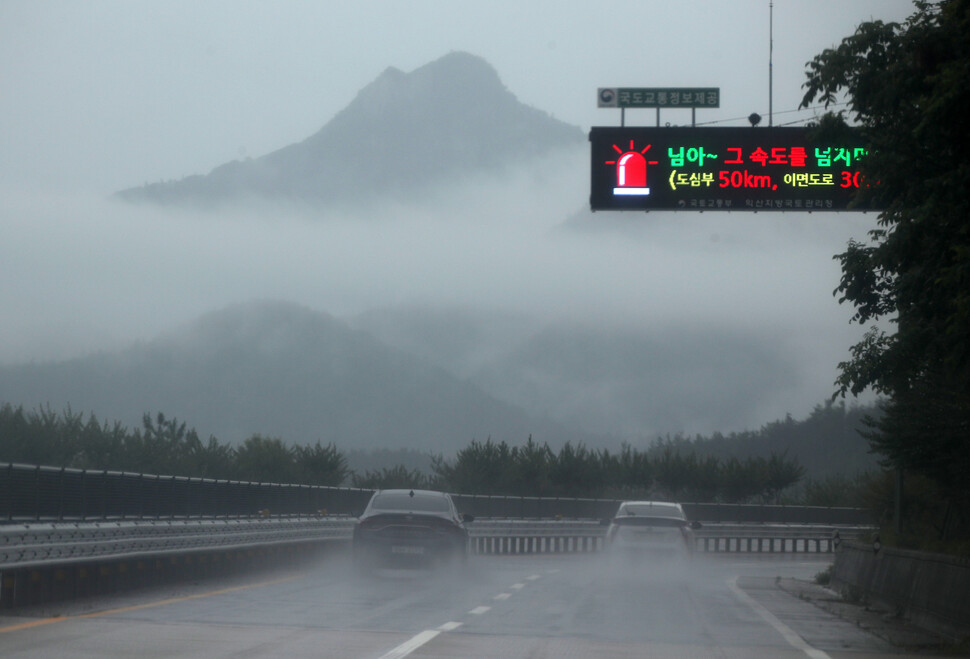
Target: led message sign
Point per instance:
(741, 169)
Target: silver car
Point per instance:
(656, 527)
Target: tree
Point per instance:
(479, 468)
(908, 89)
(320, 465)
(578, 471)
(391, 477)
(265, 459)
(531, 465)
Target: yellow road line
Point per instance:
(148, 605)
(28, 625)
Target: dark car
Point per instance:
(410, 528)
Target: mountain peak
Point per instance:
(452, 111)
(459, 65)
(458, 89)
(459, 79)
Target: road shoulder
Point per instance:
(885, 624)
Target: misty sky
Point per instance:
(107, 95)
(101, 96)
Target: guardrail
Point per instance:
(496, 506)
(775, 538)
(62, 530)
(533, 536)
(44, 544)
(40, 561)
(509, 536)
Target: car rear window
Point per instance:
(404, 501)
(634, 520)
(650, 511)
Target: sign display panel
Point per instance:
(706, 169)
(658, 97)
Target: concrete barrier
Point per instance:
(932, 590)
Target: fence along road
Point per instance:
(73, 532)
(31, 492)
(40, 544)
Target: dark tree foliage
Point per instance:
(161, 446)
(835, 492)
(531, 469)
(170, 446)
(393, 477)
(320, 465)
(265, 459)
(908, 88)
(481, 468)
(826, 443)
(577, 471)
(167, 446)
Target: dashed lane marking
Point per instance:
(416, 641)
(412, 644)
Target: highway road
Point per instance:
(496, 607)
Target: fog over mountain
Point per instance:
(283, 370)
(602, 379)
(403, 133)
(428, 274)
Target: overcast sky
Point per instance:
(100, 96)
(107, 95)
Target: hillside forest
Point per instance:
(751, 467)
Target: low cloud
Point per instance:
(84, 274)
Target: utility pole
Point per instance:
(771, 48)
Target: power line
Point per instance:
(814, 107)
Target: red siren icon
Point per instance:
(631, 171)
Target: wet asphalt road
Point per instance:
(497, 606)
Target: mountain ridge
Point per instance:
(401, 134)
(278, 369)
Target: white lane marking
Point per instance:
(479, 610)
(412, 644)
(517, 586)
(502, 596)
(787, 632)
(533, 577)
(449, 626)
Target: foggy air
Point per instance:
(311, 344)
(429, 197)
